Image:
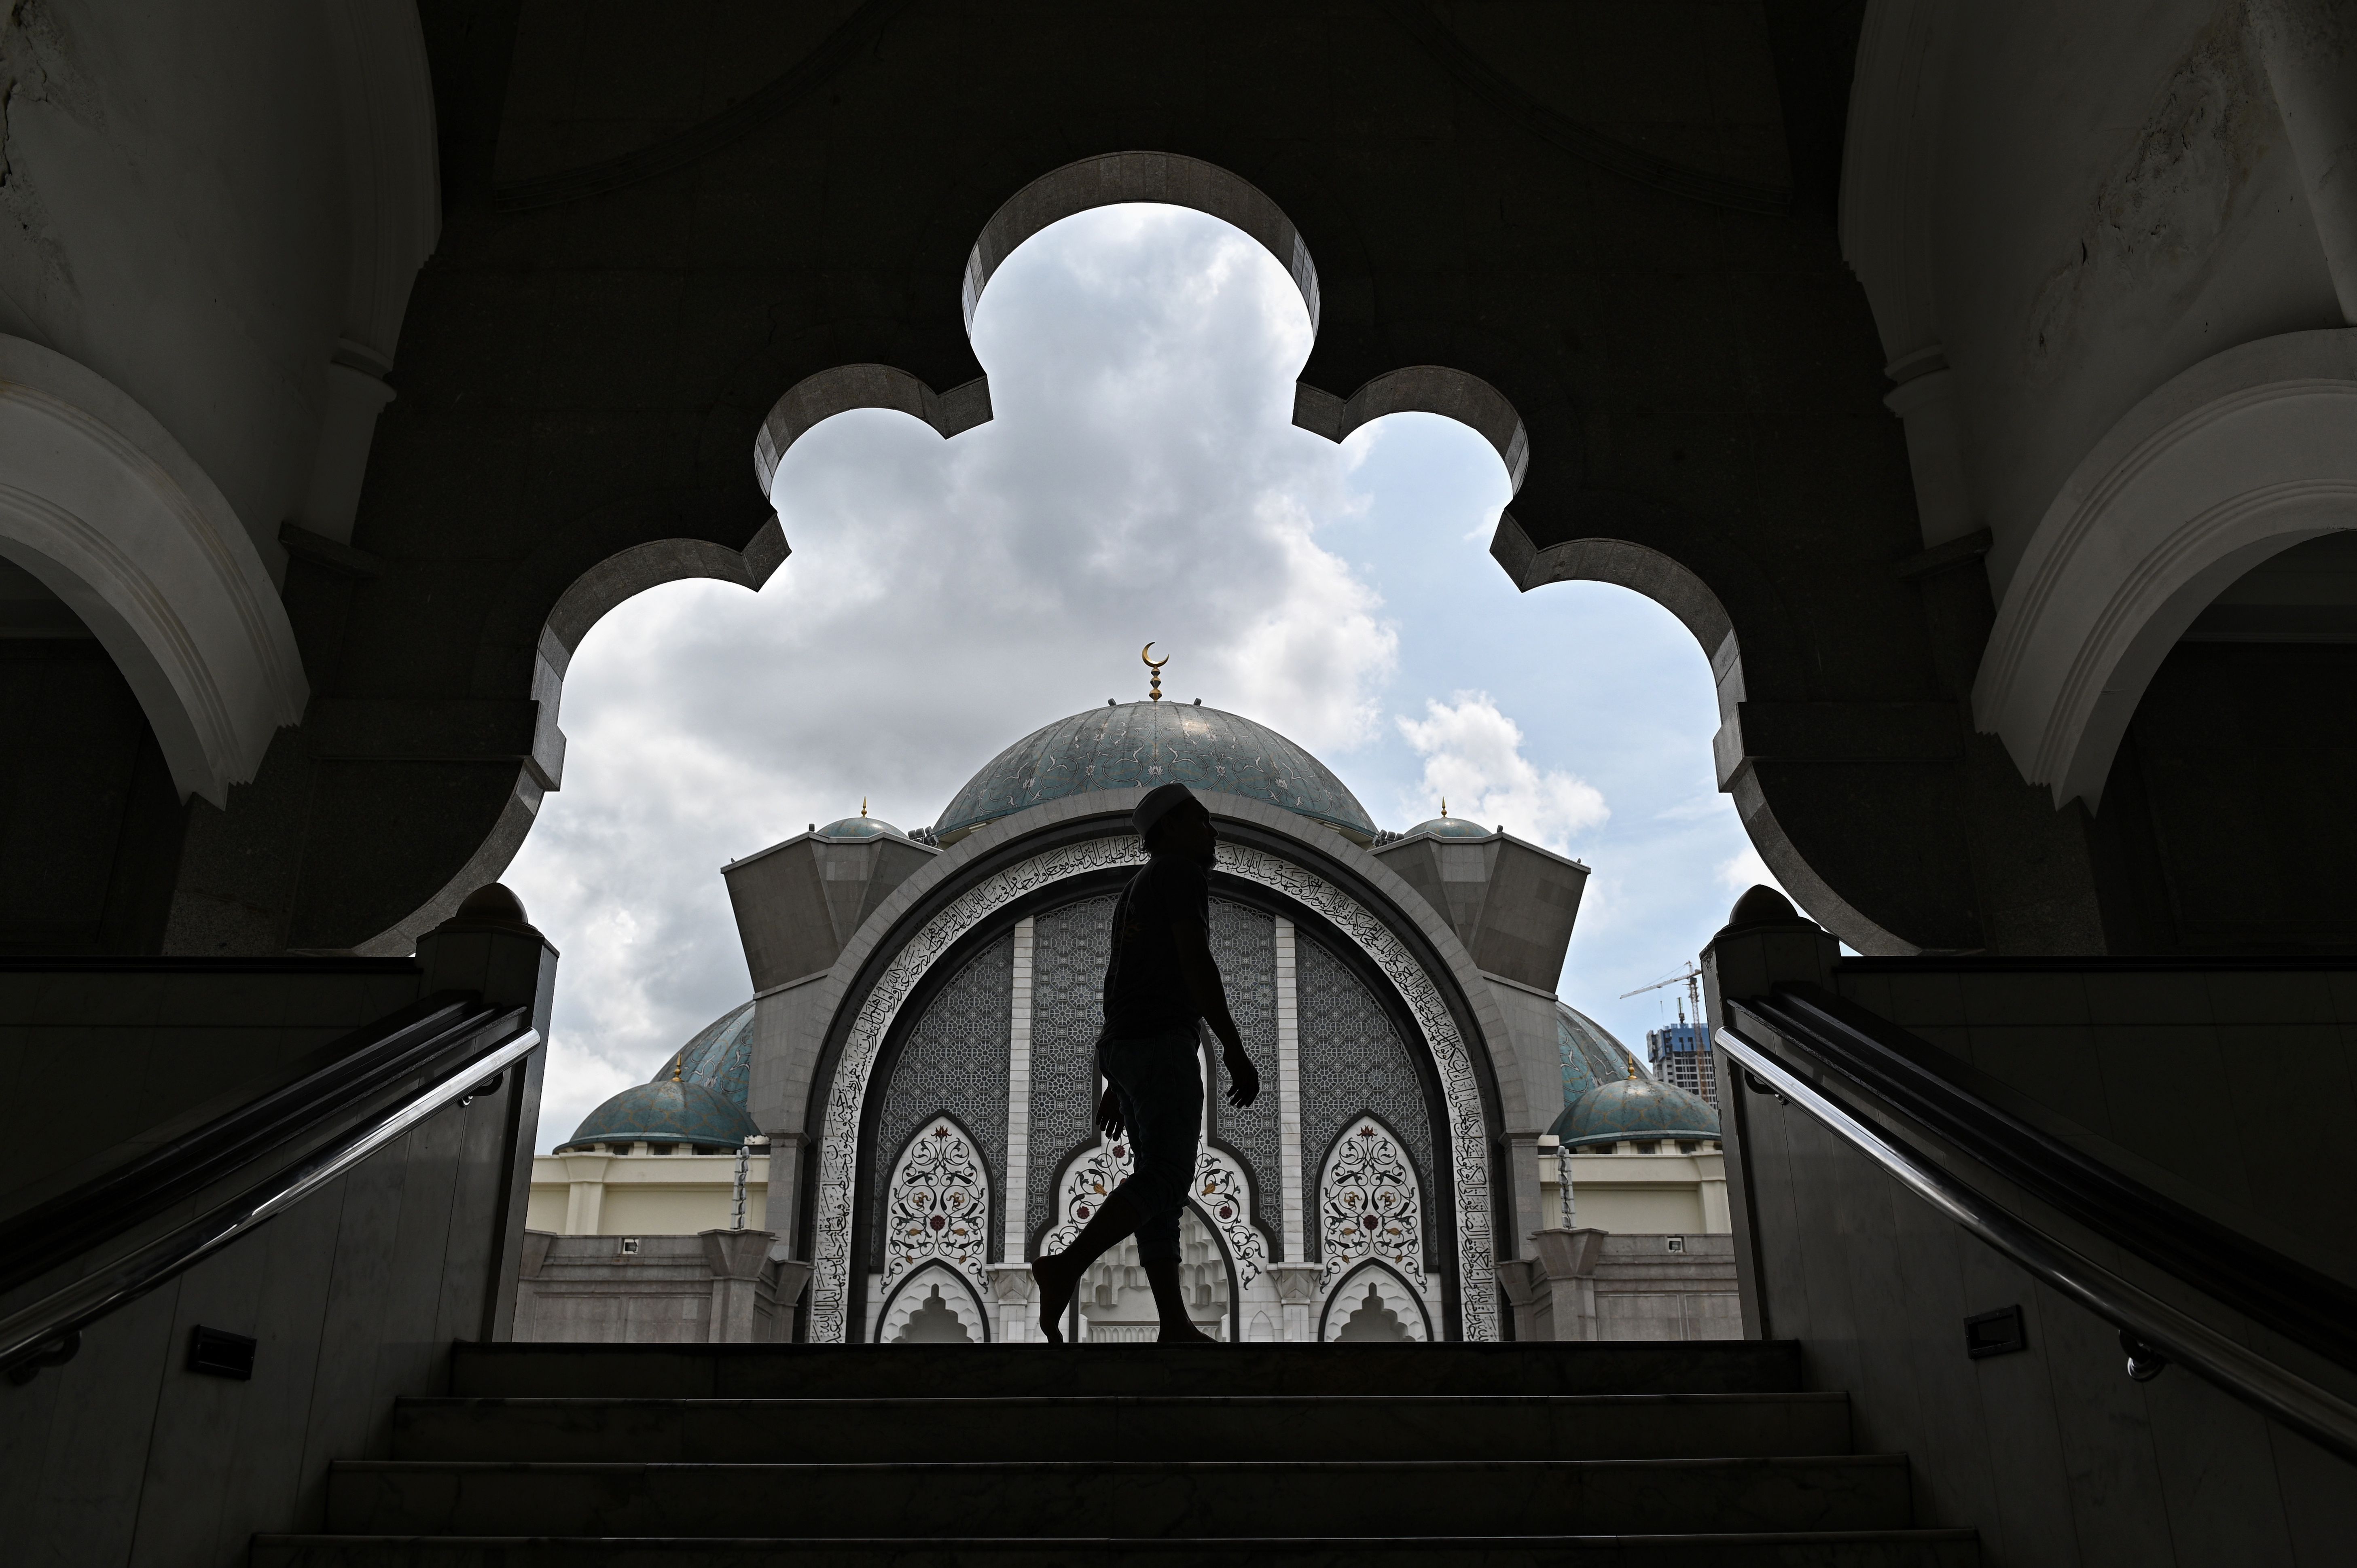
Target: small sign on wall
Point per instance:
(218, 1353)
(1995, 1333)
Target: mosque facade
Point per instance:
(919, 1056)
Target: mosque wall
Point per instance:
(89, 824)
(1332, 1166)
(2212, 852)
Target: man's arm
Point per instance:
(1202, 972)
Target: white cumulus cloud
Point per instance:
(1474, 759)
(1747, 870)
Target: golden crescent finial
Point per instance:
(1145, 653)
(1444, 805)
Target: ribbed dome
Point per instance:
(1608, 1096)
(862, 826)
(1143, 743)
(1451, 828)
(705, 1105)
(1591, 1056)
(1635, 1107)
(666, 1113)
(719, 1056)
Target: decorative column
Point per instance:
(1765, 941)
(584, 1195)
(1288, 1100)
(1296, 1292)
(1010, 1278)
(736, 1259)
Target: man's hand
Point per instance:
(1109, 1113)
(1243, 1078)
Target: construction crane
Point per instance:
(1706, 1064)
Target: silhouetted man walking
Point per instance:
(1161, 982)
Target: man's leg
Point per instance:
(1167, 1094)
(1060, 1276)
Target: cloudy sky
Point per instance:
(1140, 480)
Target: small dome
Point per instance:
(1609, 1096)
(1635, 1107)
(697, 1096)
(666, 1113)
(860, 827)
(1136, 745)
(1451, 828)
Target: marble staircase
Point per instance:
(1671, 1455)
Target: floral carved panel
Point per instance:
(1368, 1205)
(937, 1207)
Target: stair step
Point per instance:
(906, 1371)
(1217, 1497)
(1361, 1426)
(1843, 1549)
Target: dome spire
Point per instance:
(1147, 655)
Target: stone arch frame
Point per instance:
(1006, 860)
(519, 652)
(112, 515)
(958, 1294)
(1379, 1273)
(1172, 179)
(2234, 460)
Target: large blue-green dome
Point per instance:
(719, 1056)
(1139, 745)
(1591, 1056)
(1608, 1096)
(697, 1098)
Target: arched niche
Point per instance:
(1394, 1302)
(1170, 179)
(102, 504)
(2234, 460)
(922, 1299)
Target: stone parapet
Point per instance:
(1590, 1284)
(716, 1287)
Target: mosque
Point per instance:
(908, 1092)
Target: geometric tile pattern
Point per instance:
(1067, 964)
(1353, 1064)
(954, 1064)
(1243, 944)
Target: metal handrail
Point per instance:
(388, 1051)
(2147, 1323)
(48, 1331)
(2287, 1297)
